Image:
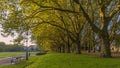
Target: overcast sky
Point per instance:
(7, 40)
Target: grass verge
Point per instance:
(61, 60)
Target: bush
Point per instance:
(40, 53)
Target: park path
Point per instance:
(7, 61)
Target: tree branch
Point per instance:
(54, 8)
(114, 11)
(94, 27)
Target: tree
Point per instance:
(70, 16)
(105, 18)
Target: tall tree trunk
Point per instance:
(68, 48)
(63, 49)
(78, 51)
(89, 48)
(68, 45)
(59, 49)
(106, 52)
(94, 48)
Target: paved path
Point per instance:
(14, 59)
(7, 61)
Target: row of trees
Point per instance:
(17, 48)
(64, 26)
(10, 48)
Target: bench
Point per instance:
(15, 60)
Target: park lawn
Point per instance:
(61, 60)
(10, 54)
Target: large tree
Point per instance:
(68, 15)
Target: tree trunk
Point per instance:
(59, 49)
(106, 52)
(68, 45)
(63, 49)
(94, 49)
(89, 48)
(68, 48)
(78, 51)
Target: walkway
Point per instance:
(7, 61)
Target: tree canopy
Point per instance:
(64, 25)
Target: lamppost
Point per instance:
(27, 55)
(27, 47)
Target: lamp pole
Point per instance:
(27, 55)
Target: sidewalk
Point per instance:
(7, 61)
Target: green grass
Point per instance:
(9, 54)
(60, 60)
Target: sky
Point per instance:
(7, 40)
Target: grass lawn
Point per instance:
(60, 60)
(9, 54)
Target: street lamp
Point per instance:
(27, 55)
(27, 50)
